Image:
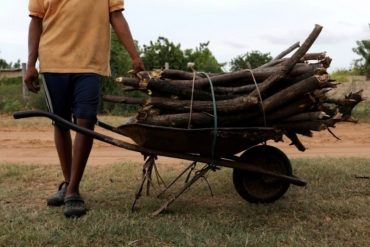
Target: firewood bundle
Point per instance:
(288, 93)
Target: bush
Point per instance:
(362, 111)
(11, 98)
(11, 81)
(10, 106)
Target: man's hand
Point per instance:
(32, 79)
(137, 65)
(123, 32)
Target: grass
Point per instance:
(333, 210)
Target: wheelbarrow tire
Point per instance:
(259, 188)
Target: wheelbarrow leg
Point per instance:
(199, 174)
(191, 167)
(147, 177)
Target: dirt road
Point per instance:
(19, 144)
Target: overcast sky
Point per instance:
(233, 27)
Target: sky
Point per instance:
(232, 27)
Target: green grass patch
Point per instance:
(11, 98)
(342, 75)
(362, 112)
(332, 210)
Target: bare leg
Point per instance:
(63, 144)
(81, 150)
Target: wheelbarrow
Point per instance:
(261, 173)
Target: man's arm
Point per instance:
(123, 32)
(34, 34)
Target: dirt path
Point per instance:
(19, 144)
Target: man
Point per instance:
(71, 40)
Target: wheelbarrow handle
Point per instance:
(85, 131)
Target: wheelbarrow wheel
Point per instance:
(258, 188)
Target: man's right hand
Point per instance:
(32, 79)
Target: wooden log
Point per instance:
(245, 76)
(179, 74)
(287, 51)
(306, 125)
(289, 65)
(294, 91)
(124, 99)
(295, 107)
(222, 106)
(242, 76)
(178, 120)
(307, 116)
(314, 56)
(272, 63)
(181, 91)
(235, 90)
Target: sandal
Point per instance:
(74, 206)
(57, 199)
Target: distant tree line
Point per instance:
(5, 65)
(157, 53)
(363, 63)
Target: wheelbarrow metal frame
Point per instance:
(230, 162)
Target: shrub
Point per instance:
(10, 106)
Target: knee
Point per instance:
(86, 123)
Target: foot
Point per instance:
(74, 206)
(57, 199)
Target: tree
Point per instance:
(203, 59)
(3, 64)
(363, 64)
(156, 54)
(120, 63)
(162, 51)
(253, 58)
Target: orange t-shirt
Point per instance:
(75, 34)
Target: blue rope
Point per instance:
(215, 119)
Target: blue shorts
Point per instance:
(73, 95)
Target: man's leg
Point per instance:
(81, 150)
(86, 91)
(59, 100)
(63, 144)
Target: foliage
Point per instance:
(119, 58)
(251, 59)
(11, 98)
(5, 65)
(162, 51)
(203, 59)
(362, 112)
(363, 50)
(120, 63)
(10, 106)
